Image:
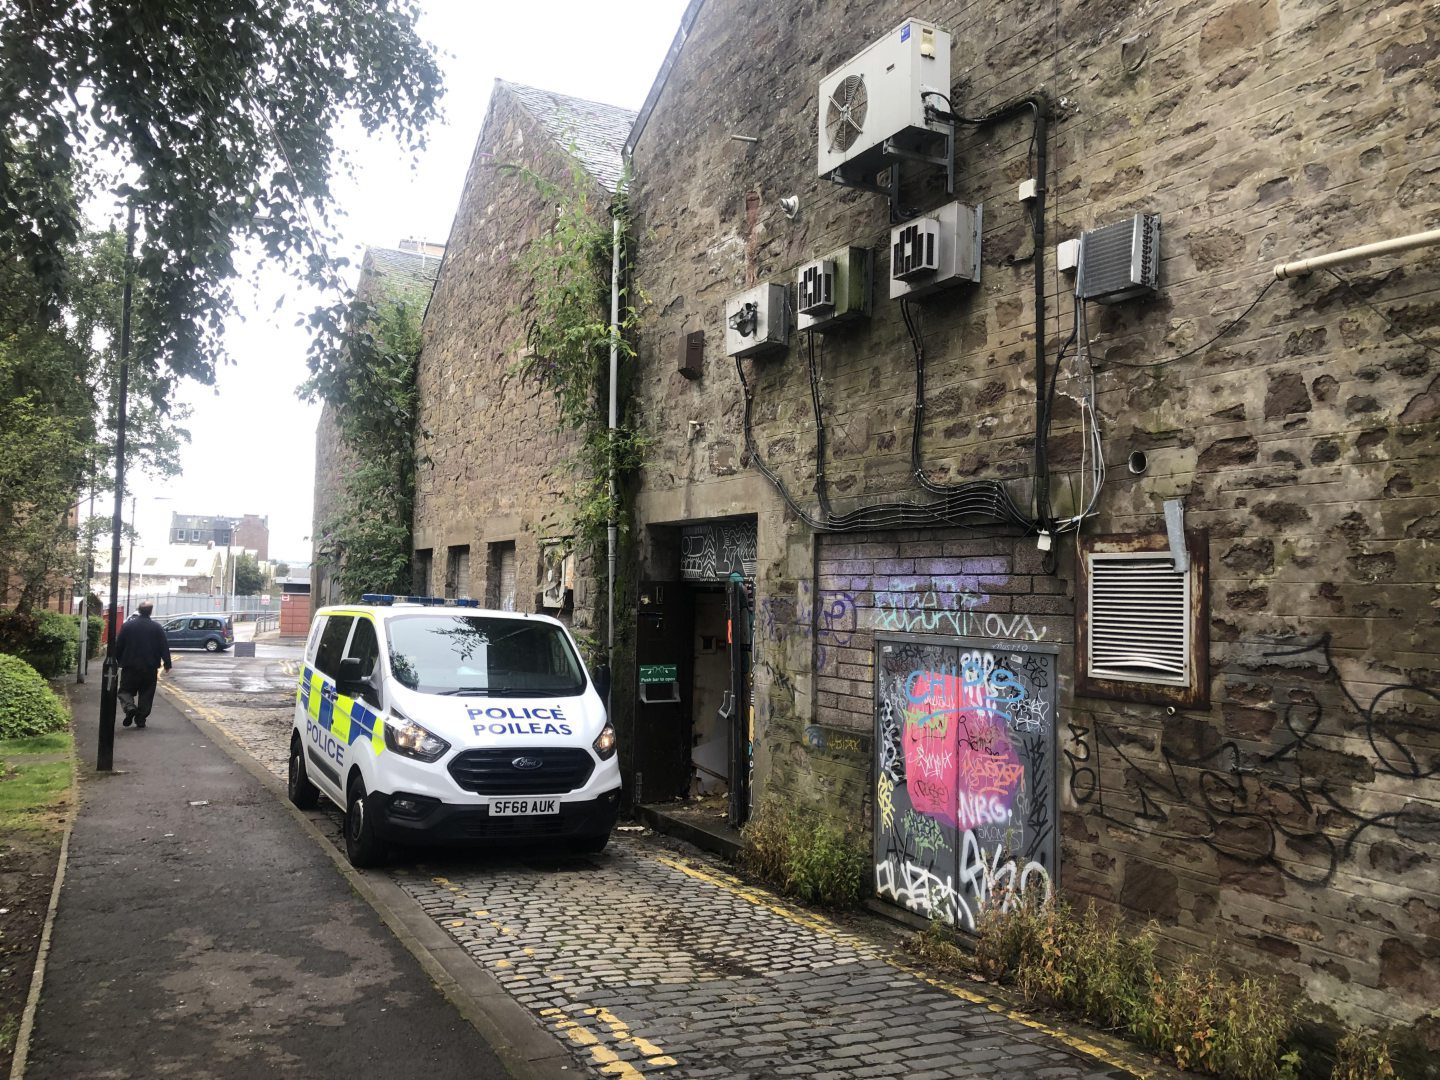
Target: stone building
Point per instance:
(410, 271)
(994, 715)
(491, 519)
(1132, 600)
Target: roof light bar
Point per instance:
(389, 599)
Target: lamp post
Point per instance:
(110, 679)
(130, 562)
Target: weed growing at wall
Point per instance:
(1362, 1057)
(568, 341)
(804, 854)
(1107, 973)
(371, 388)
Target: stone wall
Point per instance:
(494, 465)
(1295, 819)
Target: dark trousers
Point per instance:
(137, 692)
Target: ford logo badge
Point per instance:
(527, 763)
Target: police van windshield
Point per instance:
(476, 654)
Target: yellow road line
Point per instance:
(821, 925)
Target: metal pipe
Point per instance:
(1384, 247)
(612, 528)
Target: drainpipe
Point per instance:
(612, 528)
(1355, 254)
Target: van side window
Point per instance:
(332, 644)
(314, 642)
(365, 647)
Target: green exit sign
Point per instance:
(657, 673)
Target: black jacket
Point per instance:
(142, 646)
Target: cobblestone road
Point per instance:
(645, 960)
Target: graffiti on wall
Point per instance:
(965, 796)
(1291, 810)
(715, 550)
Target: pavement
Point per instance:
(199, 936)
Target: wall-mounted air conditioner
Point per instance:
(757, 321)
(880, 95)
(833, 290)
(935, 252)
(1120, 261)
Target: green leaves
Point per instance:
(219, 117)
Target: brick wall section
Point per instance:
(332, 462)
(1292, 821)
(493, 462)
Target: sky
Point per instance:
(252, 448)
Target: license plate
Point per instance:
(523, 807)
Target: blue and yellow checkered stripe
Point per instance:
(344, 717)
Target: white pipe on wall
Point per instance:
(1355, 254)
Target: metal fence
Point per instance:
(242, 607)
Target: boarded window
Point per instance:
(1141, 633)
(457, 572)
(500, 584)
(423, 561)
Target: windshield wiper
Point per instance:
(461, 690)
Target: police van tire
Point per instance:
(212, 645)
(590, 845)
(362, 847)
(303, 794)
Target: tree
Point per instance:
(249, 578)
(215, 120)
(370, 383)
(282, 569)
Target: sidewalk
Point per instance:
(202, 935)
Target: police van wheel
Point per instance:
(211, 645)
(362, 847)
(303, 794)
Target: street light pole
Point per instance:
(110, 680)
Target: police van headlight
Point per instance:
(404, 736)
(605, 742)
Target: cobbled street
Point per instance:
(649, 959)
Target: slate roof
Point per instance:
(405, 268)
(593, 132)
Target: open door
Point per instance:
(662, 705)
(738, 703)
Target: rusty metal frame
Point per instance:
(1197, 694)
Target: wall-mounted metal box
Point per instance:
(935, 252)
(757, 321)
(1120, 261)
(833, 290)
(692, 354)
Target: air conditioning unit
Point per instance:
(757, 321)
(936, 251)
(1120, 261)
(833, 290)
(880, 95)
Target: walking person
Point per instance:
(140, 648)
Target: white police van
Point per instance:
(433, 721)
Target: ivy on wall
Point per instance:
(370, 385)
(568, 341)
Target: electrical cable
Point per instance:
(1204, 345)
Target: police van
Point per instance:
(433, 721)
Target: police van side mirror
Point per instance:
(601, 678)
(350, 676)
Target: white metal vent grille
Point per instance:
(1139, 618)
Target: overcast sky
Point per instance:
(253, 442)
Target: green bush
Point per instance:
(96, 629)
(804, 854)
(27, 705)
(56, 644)
(1362, 1056)
(1108, 973)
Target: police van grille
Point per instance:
(491, 771)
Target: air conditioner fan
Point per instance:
(845, 116)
